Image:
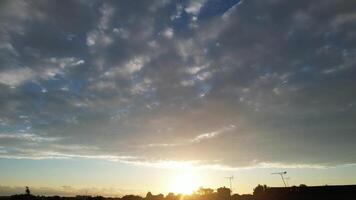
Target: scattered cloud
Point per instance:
(16, 77)
(211, 135)
(30, 137)
(169, 77)
(194, 7)
(197, 139)
(168, 33)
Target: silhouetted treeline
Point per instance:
(303, 192)
(261, 192)
(202, 194)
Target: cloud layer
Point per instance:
(224, 83)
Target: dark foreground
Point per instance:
(344, 192)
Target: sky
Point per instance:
(118, 97)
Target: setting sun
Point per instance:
(177, 99)
(185, 183)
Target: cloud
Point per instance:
(231, 10)
(194, 7)
(106, 80)
(30, 137)
(52, 66)
(16, 77)
(142, 86)
(201, 165)
(99, 36)
(197, 139)
(134, 65)
(130, 67)
(210, 135)
(168, 33)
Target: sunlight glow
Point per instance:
(185, 183)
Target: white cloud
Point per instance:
(141, 87)
(195, 69)
(98, 38)
(30, 137)
(213, 134)
(130, 67)
(342, 19)
(196, 139)
(79, 62)
(91, 38)
(121, 32)
(53, 66)
(66, 62)
(107, 12)
(204, 165)
(51, 154)
(16, 77)
(194, 7)
(227, 14)
(168, 33)
(329, 71)
(153, 44)
(46, 70)
(334, 69)
(134, 65)
(165, 164)
(9, 48)
(178, 14)
(103, 85)
(204, 76)
(185, 48)
(187, 83)
(164, 144)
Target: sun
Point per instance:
(185, 183)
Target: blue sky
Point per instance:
(213, 86)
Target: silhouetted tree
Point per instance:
(131, 197)
(28, 192)
(223, 193)
(149, 195)
(264, 193)
(172, 196)
(259, 189)
(303, 185)
(205, 191)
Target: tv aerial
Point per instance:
(230, 178)
(282, 177)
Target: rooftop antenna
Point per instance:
(230, 181)
(281, 174)
(287, 180)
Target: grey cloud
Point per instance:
(122, 75)
(15, 77)
(197, 139)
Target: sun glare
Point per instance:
(185, 183)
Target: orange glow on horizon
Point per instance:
(185, 183)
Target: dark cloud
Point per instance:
(239, 84)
